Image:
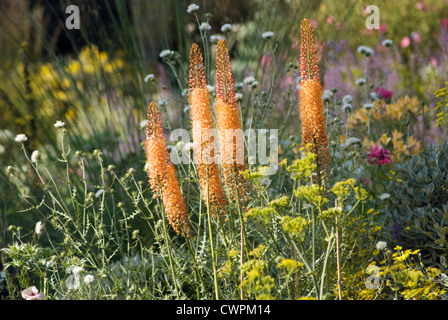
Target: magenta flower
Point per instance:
(405, 42)
(385, 94)
(444, 22)
(379, 155)
(383, 28)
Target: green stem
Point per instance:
(313, 227)
(195, 264)
(242, 240)
(324, 268)
(299, 250)
(296, 276)
(173, 274)
(338, 259)
(212, 248)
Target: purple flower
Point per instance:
(379, 155)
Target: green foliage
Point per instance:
(418, 203)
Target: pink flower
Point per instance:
(266, 60)
(365, 180)
(32, 293)
(420, 6)
(405, 42)
(444, 22)
(383, 28)
(385, 94)
(416, 36)
(379, 155)
(313, 23)
(433, 61)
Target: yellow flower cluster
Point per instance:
(382, 113)
(256, 212)
(401, 145)
(53, 86)
(312, 194)
(303, 168)
(280, 202)
(294, 226)
(255, 281)
(400, 277)
(290, 266)
(393, 111)
(342, 188)
(442, 105)
(229, 266)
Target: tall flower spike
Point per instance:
(312, 116)
(309, 68)
(229, 126)
(197, 68)
(205, 149)
(162, 174)
(156, 152)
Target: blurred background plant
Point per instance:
(89, 180)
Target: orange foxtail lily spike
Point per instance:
(162, 174)
(205, 150)
(229, 126)
(312, 114)
(308, 53)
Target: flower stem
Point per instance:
(212, 248)
(195, 263)
(173, 274)
(338, 261)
